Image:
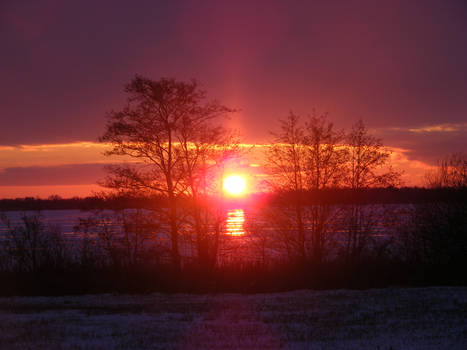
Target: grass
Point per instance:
(418, 318)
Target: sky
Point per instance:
(399, 66)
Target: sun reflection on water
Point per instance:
(234, 222)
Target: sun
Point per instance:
(235, 185)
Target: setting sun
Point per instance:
(235, 185)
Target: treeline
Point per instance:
(87, 203)
(392, 195)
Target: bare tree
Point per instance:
(451, 172)
(120, 239)
(325, 168)
(368, 163)
(286, 162)
(368, 166)
(204, 151)
(436, 235)
(306, 158)
(325, 153)
(32, 245)
(160, 119)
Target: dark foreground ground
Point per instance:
(423, 318)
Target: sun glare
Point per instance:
(235, 185)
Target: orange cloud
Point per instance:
(413, 170)
(439, 128)
(54, 154)
(73, 169)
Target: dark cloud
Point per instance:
(395, 64)
(74, 174)
(427, 143)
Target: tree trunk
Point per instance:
(301, 229)
(174, 232)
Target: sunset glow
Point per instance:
(235, 185)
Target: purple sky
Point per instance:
(401, 66)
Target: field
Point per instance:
(418, 318)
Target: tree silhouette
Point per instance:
(367, 160)
(286, 163)
(436, 235)
(161, 128)
(367, 166)
(325, 164)
(451, 172)
(306, 157)
(204, 151)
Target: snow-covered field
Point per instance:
(424, 318)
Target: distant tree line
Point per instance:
(394, 195)
(78, 203)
